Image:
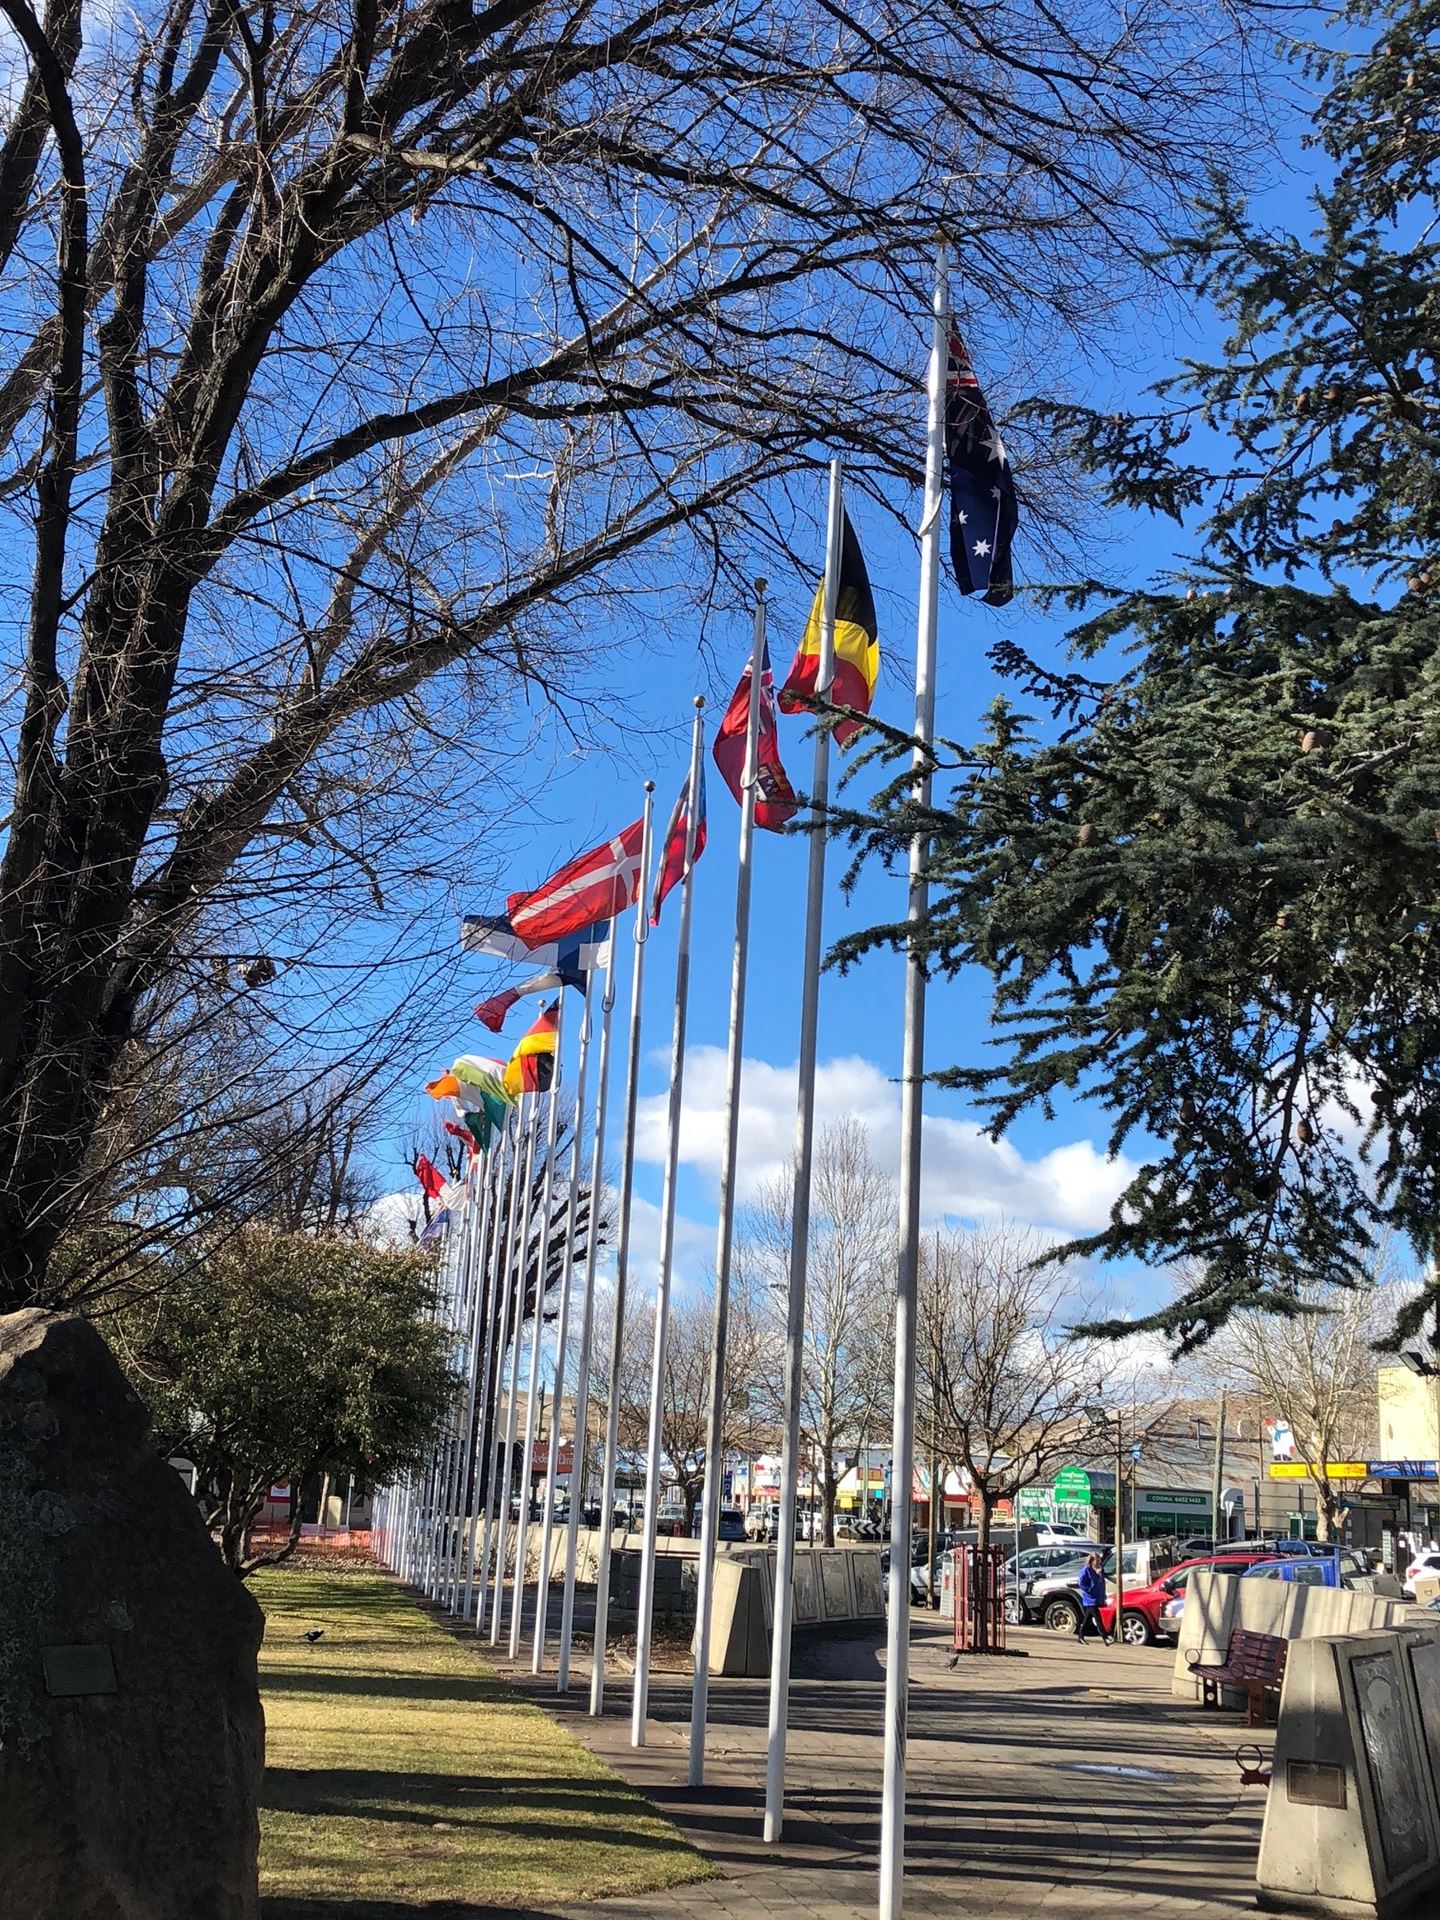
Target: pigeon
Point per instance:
(315, 1633)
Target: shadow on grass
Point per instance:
(545, 1808)
(398, 1686)
(284, 1906)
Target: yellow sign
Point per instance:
(1334, 1470)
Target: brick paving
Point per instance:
(1042, 1788)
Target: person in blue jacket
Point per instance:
(1092, 1598)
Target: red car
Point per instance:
(1140, 1624)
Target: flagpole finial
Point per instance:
(649, 786)
(760, 585)
(699, 701)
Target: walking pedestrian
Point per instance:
(1092, 1598)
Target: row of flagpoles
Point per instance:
(443, 1529)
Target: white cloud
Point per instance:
(964, 1174)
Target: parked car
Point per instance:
(1301, 1570)
(1163, 1601)
(1425, 1566)
(730, 1524)
(1043, 1583)
(1056, 1533)
(670, 1522)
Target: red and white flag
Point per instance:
(594, 886)
(673, 866)
(775, 801)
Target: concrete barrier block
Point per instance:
(1352, 1821)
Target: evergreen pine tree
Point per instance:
(1207, 888)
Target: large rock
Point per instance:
(131, 1735)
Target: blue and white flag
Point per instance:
(983, 508)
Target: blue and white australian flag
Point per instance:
(983, 510)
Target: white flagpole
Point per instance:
(562, 1338)
(725, 1234)
(470, 1320)
(520, 1256)
(800, 1201)
(622, 1265)
(644, 1624)
(485, 1340)
(587, 1331)
(912, 1067)
(448, 1452)
(542, 1251)
(504, 1237)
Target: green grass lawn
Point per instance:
(402, 1771)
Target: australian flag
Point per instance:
(983, 511)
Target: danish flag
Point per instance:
(594, 886)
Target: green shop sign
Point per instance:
(1072, 1486)
(1155, 1500)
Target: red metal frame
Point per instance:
(979, 1600)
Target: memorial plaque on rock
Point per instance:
(71, 1672)
(131, 1735)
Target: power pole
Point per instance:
(1217, 1485)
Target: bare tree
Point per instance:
(849, 1298)
(1002, 1386)
(358, 365)
(685, 1396)
(1315, 1371)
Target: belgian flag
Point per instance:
(857, 644)
(532, 1065)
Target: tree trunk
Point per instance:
(981, 1589)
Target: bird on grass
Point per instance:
(315, 1633)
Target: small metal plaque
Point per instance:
(1314, 1783)
(70, 1671)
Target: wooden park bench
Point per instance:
(1254, 1665)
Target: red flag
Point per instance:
(775, 801)
(594, 886)
(491, 1013)
(464, 1136)
(432, 1181)
(672, 869)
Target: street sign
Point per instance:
(1402, 1469)
(1072, 1485)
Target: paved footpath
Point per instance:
(1063, 1784)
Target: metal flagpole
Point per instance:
(498, 1321)
(479, 1288)
(542, 1259)
(464, 1324)
(587, 1329)
(622, 1265)
(448, 1450)
(519, 1257)
(502, 1348)
(562, 1336)
(912, 1067)
(490, 1272)
(800, 1201)
(644, 1623)
(724, 1239)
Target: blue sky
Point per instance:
(1052, 1175)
